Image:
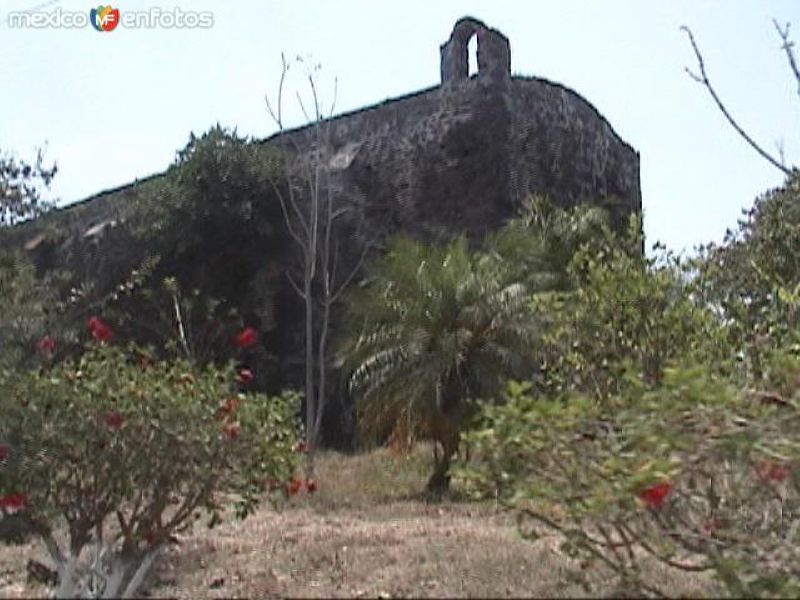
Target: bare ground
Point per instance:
(363, 534)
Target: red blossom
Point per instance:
(301, 446)
(655, 495)
(294, 486)
(13, 502)
(246, 338)
(4, 452)
(231, 430)
(312, 486)
(113, 419)
(46, 345)
(99, 330)
(772, 472)
(246, 376)
(228, 406)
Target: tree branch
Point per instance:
(703, 79)
(788, 47)
(292, 231)
(181, 329)
(295, 286)
(276, 114)
(337, 294)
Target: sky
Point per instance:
(110, 107)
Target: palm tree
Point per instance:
(435, 329)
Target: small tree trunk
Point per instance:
(439, 481)
(310, 397)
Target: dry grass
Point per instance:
(367, 532)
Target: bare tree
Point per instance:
(310, 210)
(701, 77)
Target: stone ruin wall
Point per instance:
(461, 156)
(464, 155)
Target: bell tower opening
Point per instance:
(472, 56)
(475, 50)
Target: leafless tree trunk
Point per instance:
(702, 78)
(310, 212)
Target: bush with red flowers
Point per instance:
(661, 419)
(693, 473)
(101, 444)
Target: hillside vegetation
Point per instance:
(593, 418)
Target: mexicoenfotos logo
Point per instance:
(104, 18)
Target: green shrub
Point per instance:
(626, 313)
(692, 473)
(631, 458)
(126, 451)
(29, 308)
(752, 279)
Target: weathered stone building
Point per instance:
(458, 157)
(463, 155)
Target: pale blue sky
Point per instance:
(115, 106)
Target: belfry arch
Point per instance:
(472, 56)
(494, 53)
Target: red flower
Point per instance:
(294, 486)
(13, 502)
(246, 338)
(99, 330)
(312, 486)
(655, 495)
(246, 376)
(301, 446)
(228, 406)
(231, 430)
(46, 345)
(772, 472)
(113, 419)
(4, 452)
